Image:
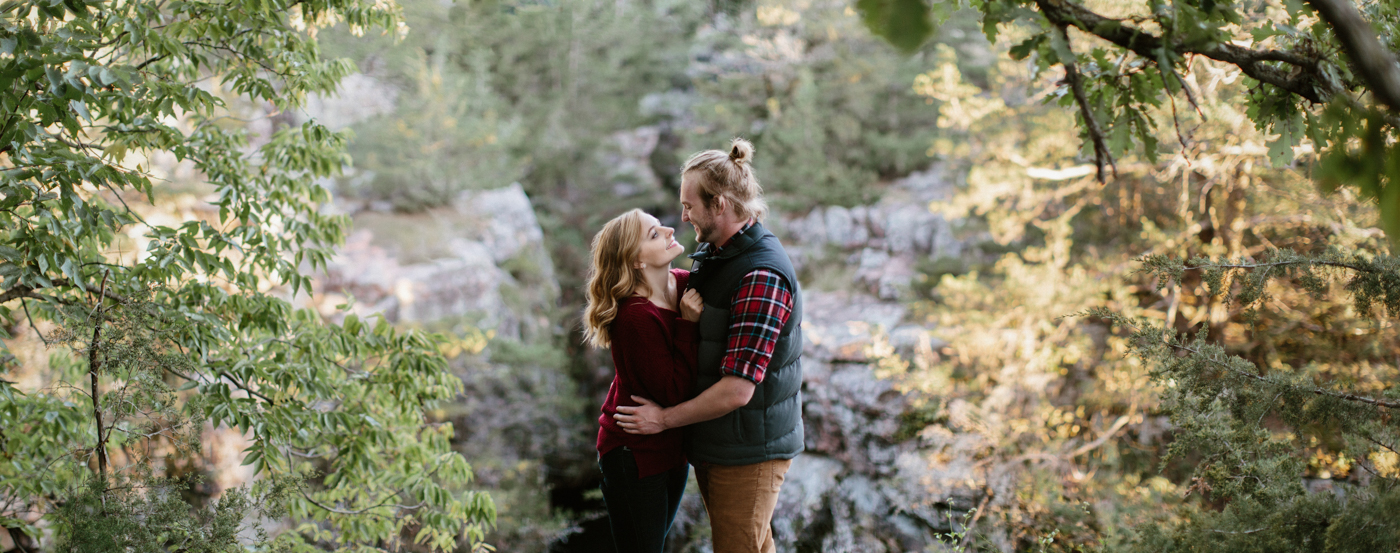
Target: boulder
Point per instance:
(482, 260)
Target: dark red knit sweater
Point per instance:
(655, 352)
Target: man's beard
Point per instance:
(704, 232)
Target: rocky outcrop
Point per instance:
(868, 480)
(886, 241)
(358, 97)
(866, 483)
(482, 260)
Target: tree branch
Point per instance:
(360, 511)
(246, 388)
(1377, 65)
(1102, 156)
(1336, 264)
(94, 366)
(1112, 431)
(1314, 391)
(1304, 82)
(26, 291)
(18, 292)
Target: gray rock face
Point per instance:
(891, 237)
(860, 485)
(482, 260)
(626, 158)
(358, 97)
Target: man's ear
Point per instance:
(721, 205)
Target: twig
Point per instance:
(94, 365)
(1102, 156)
(1377, 65)
(1112, 431)
(24, 303)
(1240, 533)
(1379, 443)
(1314, 391)
(245, 387)
(360, 511)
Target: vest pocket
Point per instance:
(750, 426)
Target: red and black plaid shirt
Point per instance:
(757, 314)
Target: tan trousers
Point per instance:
(740, 501)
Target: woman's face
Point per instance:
(659, 244)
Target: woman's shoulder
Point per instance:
(682, 277)
(633, 308)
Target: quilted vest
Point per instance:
(770, 425)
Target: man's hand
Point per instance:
(642, 419)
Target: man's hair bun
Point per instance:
(740, 151)
(729, 175)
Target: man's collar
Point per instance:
(739, 242)
(731, 238)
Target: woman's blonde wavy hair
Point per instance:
(613, 275)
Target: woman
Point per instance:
(636, 307)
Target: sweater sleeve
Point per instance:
(657, 362)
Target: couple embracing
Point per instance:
(708, 361)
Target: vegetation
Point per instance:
(1269, 352)
(1170, 327)
(158, 335)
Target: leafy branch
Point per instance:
(1305, 79)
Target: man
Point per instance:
(745, 426)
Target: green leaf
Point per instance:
(905, 24)
(1023, 50)
(1281, 149)
(81, 108)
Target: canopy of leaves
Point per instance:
(1321, 74)
(161, 330)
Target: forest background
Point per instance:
(1079, 437)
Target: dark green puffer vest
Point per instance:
(770, 426)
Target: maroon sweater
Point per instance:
(655, 353)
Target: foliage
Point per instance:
(176, 327)
(829, 110)
(1089, 438)
(152, 516)
(1255, 428)
(1308, 82)
(452, 139)
(827, 106)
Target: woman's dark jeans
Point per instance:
(640, 510)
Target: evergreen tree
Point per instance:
(1271, 350)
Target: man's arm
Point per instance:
(730, 393)
(757, 314)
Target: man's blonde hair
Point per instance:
(728, 175)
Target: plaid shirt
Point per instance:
(757, 314)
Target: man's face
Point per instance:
(693, 210)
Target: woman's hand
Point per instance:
(691, 306)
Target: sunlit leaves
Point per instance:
(1168, 38)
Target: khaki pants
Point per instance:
(740, 501)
